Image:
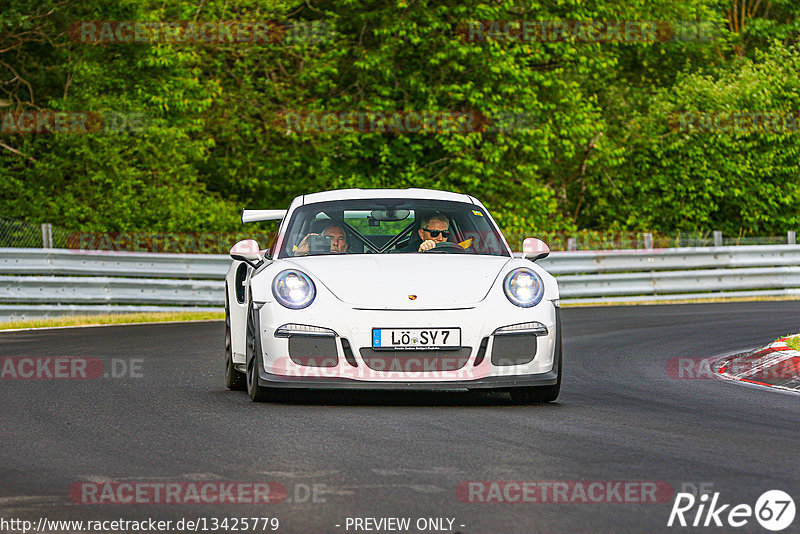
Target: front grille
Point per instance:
(415, 361)
(313, 351)
(513, 349)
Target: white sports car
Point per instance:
(406, 289)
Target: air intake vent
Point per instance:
(513, 350)
(415, 361)
(313, 351)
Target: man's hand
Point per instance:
(427, 245)
(302, 248)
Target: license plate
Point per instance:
(416, 338)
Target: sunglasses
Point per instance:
(435, 233)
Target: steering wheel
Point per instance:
(447, 247)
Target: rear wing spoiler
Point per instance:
(262, 215)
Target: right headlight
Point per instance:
(523, 287)
(293, 289)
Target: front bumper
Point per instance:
(479, 371)
(493, 382)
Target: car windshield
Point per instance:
(391, 226)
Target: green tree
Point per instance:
(740, 183)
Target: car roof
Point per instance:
(360, 194)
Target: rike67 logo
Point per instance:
(774, 510)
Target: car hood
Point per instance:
(388, 281)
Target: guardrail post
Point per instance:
(47, 235)
(572, 244)
(717, 238)
(790, 238)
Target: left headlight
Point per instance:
(523, 287)
(293, 289)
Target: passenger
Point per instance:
(338, 240)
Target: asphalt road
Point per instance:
(621, 417)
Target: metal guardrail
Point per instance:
(671, 259)
(31, 261)
(47, 282)
(108, 290)
(676, 274)
(50, 282)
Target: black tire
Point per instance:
(256, 392)
(541, 394)
(234, 380)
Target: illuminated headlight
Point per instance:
(523, 287)
(293, 289)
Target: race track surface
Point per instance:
(622, 416)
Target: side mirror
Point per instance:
(248, 252)
(534, 249)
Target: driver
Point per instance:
(338, 240)
(435, 229)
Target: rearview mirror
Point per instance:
(248, 252)
(390, 214)
(534, 249)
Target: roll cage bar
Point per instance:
(393, 241)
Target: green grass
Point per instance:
(794, 342)
(120, 318)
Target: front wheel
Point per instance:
(256, 392)
(541, 394)
(234, 380)
(535, 395)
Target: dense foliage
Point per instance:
(594, 144)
